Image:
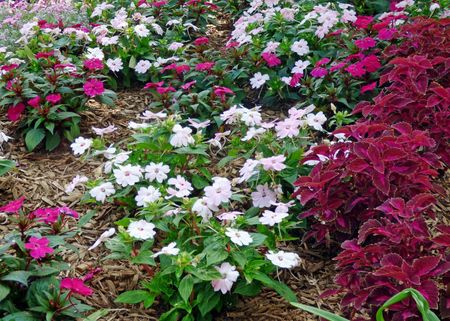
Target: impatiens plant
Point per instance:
(31, 287)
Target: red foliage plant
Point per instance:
(375, 190)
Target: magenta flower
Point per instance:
(53, 98)
(45, 55)
(362, 22)
(38, 247)
(165, 90)
(46, 215)
(371, 63)
(34, 102)
(182, 68)
(322, 62)
(68, 211)
(386, 33)
(13, 207)
(295, 79)
(204, 66)
(93, 87)
(151, 85)
(93, 64)
(222, 91)
(368, 87)
(337, 66)
(356, 70)
(15, 112)
(319, 72)
(75, 285)
(271, 59)
(188, 85)
(201, 41)
(365, 43)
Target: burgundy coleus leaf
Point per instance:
(381, 182)
(393, 206)
(375, 157)
(393, 154)
(358, 165)
(420, 202)
(430, 291)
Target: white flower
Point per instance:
(170, 249)
(4, 138)
(141, 229)
(288, 128)
(229, 216)
(199, 125)
(174, 46)
(95, 53)
(134, 125)
(142, 66)
(102, 191)
(263, 196)
(300, 47)
(251, 117)
(141, 30)
(258, 80)
(229, 276)
(238, 237)
(114, 65)
(202, 208)
(316, 121)
(219, 192)
(147, 195)
(287, 260)
(253, 132)
(182, 187)
(271, 218)
(81, 145)
(105, 235)
(127, 175)
(75, 181)
(102, 131)
(434, 6)
(182, 136)
(300, 67)
(156, 172)
(275, 163)
(149, 115)
(248, 170)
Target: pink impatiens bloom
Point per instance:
(93, 87)
(386, 33)
(356, 70)
(362, 22)
(188, 85)
(201, 41)
(222, 91)
(204, 66)
(34, 102)
(15, 112)
(75, 285)
(229, 276)
(93, 64)
(319, 72)
(365, 43)
(274, 163)
(271, 59)
(13, 207)
(53, 98)
(368, 87)
(38, 247)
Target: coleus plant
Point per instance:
(31, 287)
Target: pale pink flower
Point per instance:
(229, 276)
(263, 196)
(275, 163)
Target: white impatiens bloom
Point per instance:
(141, 30)
(219, 192)
(248, 170)
(263, 196)
(182, 136)
(251, 117)
(181, 187)
(203, 209)
(300, 47)
(316, 121)
(274, 163)
(102, 191)
(174, 46)
(80, 145)
(4, 138)
(229, 216)
(95, 53)
(229, 276)
(149, 115)
(253, 132)
(114, 65)
(271, 218)
(288, 128)
(258, 80)
(102, 131)
(282, 259)
(142, 66)
(127, 175)
(105, 235)
(147, 195)
(300, 66)
(238, 237)
(156, 172)
(434, 6)
(75, 181)
(141, 229)
(170, 249)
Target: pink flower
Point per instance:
(64, 210)
(38, 247)
(368, 87)
(365, 43)
(295, 79)
(319, 72)
(165, 90)
(150, 85)
(204, 66)
(45, 55)
(46, 215)
(93, 64)
(13, 207)
(34, 102)
(201, 41)
(371, 63)
(362, 22)
(386, 33)
(182, 68)
(15, 112)
(9, 67)
(322, 62)
(93, 87)
(274, 163)
(75, 285)
(188, 85)
(337, 66)
(271, 59)
(222, 91)
(356, 70)
(53, 98)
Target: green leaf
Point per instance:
(66, 114)
(216, 255)
(132, 297)
(96, 315)
(199, 182)
(34, 137)
(20, 316)
(4, 291)
(190, 150)
(52, 141)
(6, 165)
(86, 218)
(319, 312)
(17, 276)
(186, 287)
(281, 288)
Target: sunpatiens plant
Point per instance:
(31, 285)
